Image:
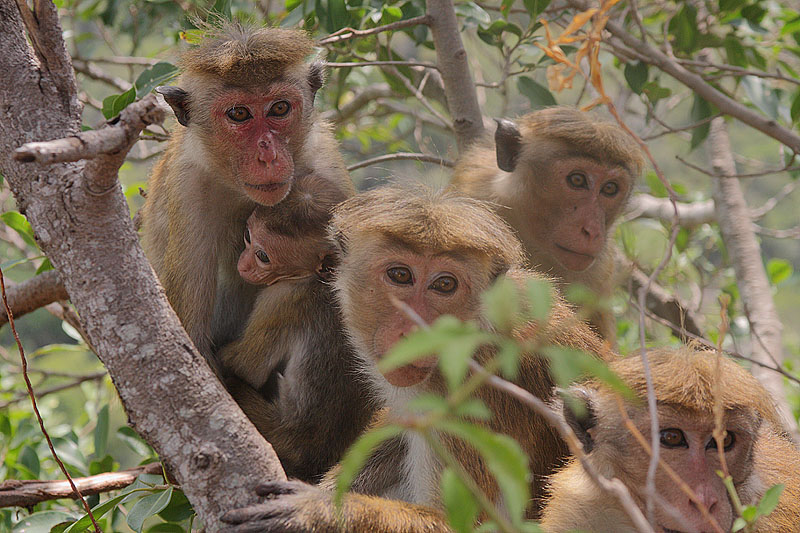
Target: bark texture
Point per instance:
(459, 89)
(171, 396)
(34, 293)
(751, 276)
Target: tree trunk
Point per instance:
(171, 396)
(751, 277)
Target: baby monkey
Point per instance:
(292, 371)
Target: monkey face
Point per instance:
(579, 200)
(259, 133)
(384, 284)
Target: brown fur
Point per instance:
(197, 205)
(684, 385)
(476, 247)
(526, 196)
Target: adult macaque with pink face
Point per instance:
(560, 177)
(247, 134)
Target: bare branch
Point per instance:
(349, 33)
(52, 390)
(459, 87)
(403, 156)
(34, 293)
(716, 173)
(360, 100)
(96, 73)
(751, 277)
(114, 137)
(383, 64)
(26, 493)
(690, 215)
(790, 233)
(737, 71)
(127, 60)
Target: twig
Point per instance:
(116, 136)
(360, 100)
(383, 64)
(56, 388)
(772, 202)
(790, 233)
(715, 174)
(349, 33)
(96, 73)
(670, 129)
(34, 293)
(127, 60)
(421, 97)
(403, 156)
(26, 493)
(10, 315)
(739, 71)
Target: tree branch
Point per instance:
(360, 100)
(690, 215)
(459, 87)
(25, 493)
(751, 277)
(402, 156)
(349, 33)
(170, 394)
(726, 104)
(34, 293)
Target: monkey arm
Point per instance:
(295, 507)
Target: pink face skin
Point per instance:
(269, 257)
(688, 446)
(258, 131)
(431, 286)
(577, 205)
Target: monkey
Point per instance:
(247, 134)
(292, 371)
(757, 452)
(436, 252)
(560, 178)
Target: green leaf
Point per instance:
(291, 4)
(505, 459)
(738, 525)
(454, 358)
(45, 266)
(749, 513)
(473, 408)
(701, 109)
(223, 8)
(535, 7)
(682, 240)
(568, 364)
(501, 304)
(159, 74)
(735, 51)
(538, 95)
(795, 112)
(178, 509)
(779, 270)
(473, 14)
(30, 460)
(42, 522)
(106, 464)
(770, 499)
(683, 28)
(112, 105)
(761, 95)
(20, 224)
(657, 188)
(166, 528)
(655, 92)
(459, 503)
(508, 355)
(70, 454)
(337, 15)
(636, 75)
(357, 456)
(148, 506)
(98, 511)
(101, 432)
(134, 441)
(540, 298)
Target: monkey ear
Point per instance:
(508, 141)
(327, 267)
(316, 76)
(178, 100)
(582, 421)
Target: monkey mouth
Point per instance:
(590, 256)
(267, 187)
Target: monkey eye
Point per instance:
(262, 256)
(247, 235)
(400, 275)
(727, 442)
(239, 114)
(444, 284)
(610, 189)
(279, 109)
(577, 180)
(673, 438)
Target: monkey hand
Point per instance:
(296, 507)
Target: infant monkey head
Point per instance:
(289, 241)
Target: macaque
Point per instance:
(757, 452)
(247, 133)
(560, 177)
(436, 253)
(292, 371)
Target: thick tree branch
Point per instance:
(690, 215)
(34, 293)
(724, 103)
(30, 492)
(459, 87)
(751, 277)
(171, 396)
